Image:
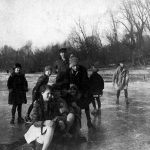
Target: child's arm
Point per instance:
(36, 115)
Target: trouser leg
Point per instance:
(19, 108)
(118, 94)
(98, 102)
(13, 111)
(87, 112)
(93, 102)
(126, 96)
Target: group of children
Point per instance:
(52, 110)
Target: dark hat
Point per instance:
(17, 65)
(94, 69)
(63, 50)
(73, 61)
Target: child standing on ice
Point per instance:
(17, 86)
(96, 88)
(121, 80)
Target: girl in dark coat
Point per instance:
(17, 86)
(96, 87)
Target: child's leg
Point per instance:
(118, 94)
(29, 110)
(70, 120)
(98, 102)
(48, 137)
(13, 111)
(87, 112)
(93, 102)
(126, 93)
(20, 119)
(126, 96)
(19, 109)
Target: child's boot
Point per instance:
(12, 121)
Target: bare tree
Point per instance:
(87, 45)
(134, 19)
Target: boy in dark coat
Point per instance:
(42, 80)
(96, 87)
(61, 66)
(18, 86)
(78, 76)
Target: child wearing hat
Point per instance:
(17, 86)
(78, 76)
(42, 80)
(97, 86)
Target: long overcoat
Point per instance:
(17, 86)
(96, 83)
(121, 78)
(81, 80)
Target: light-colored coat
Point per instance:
(121, 78)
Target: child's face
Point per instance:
(75, 68)
(48, 72)
(73, 91)
(46, 95)
(17, 70)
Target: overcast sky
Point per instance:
(47, 21)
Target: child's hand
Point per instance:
(49, 123)
(61, 124)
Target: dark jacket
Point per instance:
(51, 112)
(39, 115)
(42, 80)
(81, 80)
(62, 78)
(18, 86)
(96, 83)
(61, 66)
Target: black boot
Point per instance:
(20, 120)
(12, 121)
(89, 124)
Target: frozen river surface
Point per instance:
(117, 128)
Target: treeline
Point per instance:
(128, 40)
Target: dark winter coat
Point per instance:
(18, 86)
(50, 112)
(81, 80)
(61, 78)
(40, 114)
(96, 83)
(42, 80)
(61, 66)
